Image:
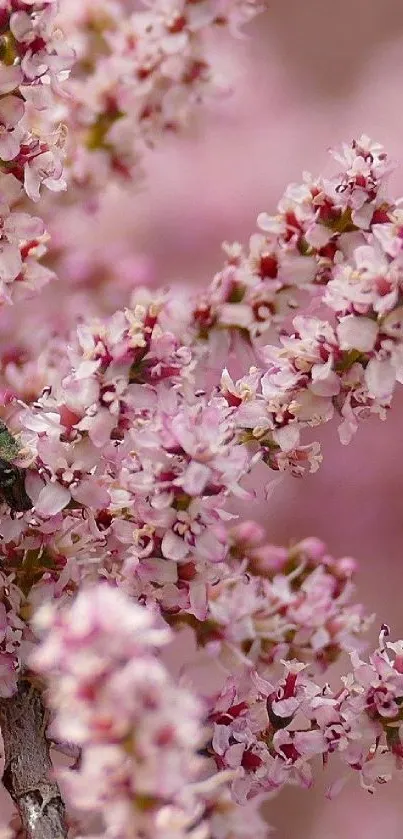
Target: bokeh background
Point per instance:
(308, 76)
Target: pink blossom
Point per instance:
(98, 659)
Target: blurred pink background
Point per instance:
(312, 74)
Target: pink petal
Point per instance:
(9, 145)
(10, 78)
(173, 547)
(52, 498)
(11, 110)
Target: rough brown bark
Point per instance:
(28, 768)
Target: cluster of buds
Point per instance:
(276, 603)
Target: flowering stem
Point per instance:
(28, 768)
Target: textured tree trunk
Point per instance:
(28, 768)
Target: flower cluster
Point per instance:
(318, 226)
(34, 61)
(268, 731)
(130, 472)
(137, 730)
(131, 459)
(139, 75)
(276, 604)
(339, 240)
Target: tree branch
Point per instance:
(28, 767)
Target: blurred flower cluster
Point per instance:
(138, 75)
